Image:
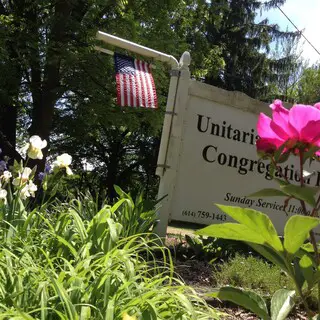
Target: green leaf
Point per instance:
(316, 276)
(110, 310)
(304, 193)
(121, 193)
(298, 275)
(257, 222)
(247, 299)
(281, 304)
(22, 316)
(279, 152)
(65, 299)
(306, 266)
(281, 182)
(269, 192)
(151, 313)
(284, 157)
(296, 231)
(65, 243)
(232, 231)
(269, 254)
(117, 205)
(307, 247)
(85, 313)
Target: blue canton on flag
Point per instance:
(135, 85)
(124, 65)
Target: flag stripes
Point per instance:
(135, 84)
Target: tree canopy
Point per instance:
(60, 88)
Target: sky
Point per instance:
(305, 15)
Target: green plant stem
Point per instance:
(280, 171)
(311, 233)
(17, 197)
(318, 297)
(317, 259)
(298, 289)
(315, 247)
(315, 210)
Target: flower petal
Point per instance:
(301, 117)
(16, 181)
(68, 171)
(280, 124)
(311, 133)
(276, 104)
(3, 193)
(265, 130)
(43, 144)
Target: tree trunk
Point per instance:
(44, 99)
(8, 104)
(8, 125)
(112, 177)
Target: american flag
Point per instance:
(135, 85)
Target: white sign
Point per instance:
(213, 160)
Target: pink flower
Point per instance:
(317, 105)
(299, 125)
(265, 146)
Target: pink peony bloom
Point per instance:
(265, 146)
(300, 124)
(317, 105)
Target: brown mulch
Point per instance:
(195, 273)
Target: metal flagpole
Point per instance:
(111, 53)
(137, 48)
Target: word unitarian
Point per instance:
(211, 153)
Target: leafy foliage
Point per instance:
(257, 230)
(248, 299)
(308, 87)
(68, 268)
(252, 273)
(214, 249)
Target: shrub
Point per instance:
(215, 249)
(252, 273)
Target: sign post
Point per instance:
(171, 140)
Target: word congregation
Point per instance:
(212, 154)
